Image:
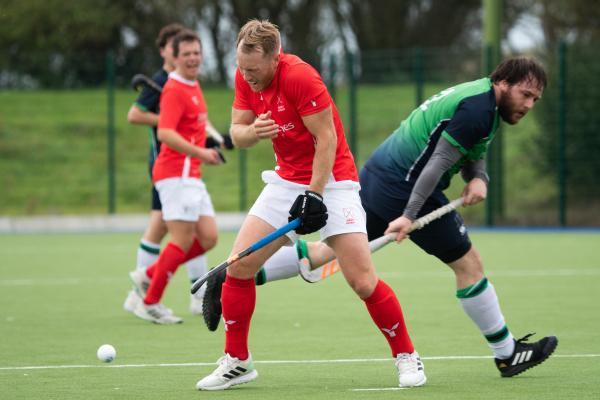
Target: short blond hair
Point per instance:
(259, 35)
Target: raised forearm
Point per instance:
(323, 162)
(243, 135)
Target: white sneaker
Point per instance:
(411, 371)
(230, 372)
(141, 281)
(317, 274)
(196, 301)
(131, 301)
(157, 313)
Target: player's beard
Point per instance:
(508, 110)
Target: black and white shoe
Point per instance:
(526, 355)
(211, 302)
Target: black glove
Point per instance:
(227, 142)
(311, 210)
(211, 143)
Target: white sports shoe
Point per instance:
(157, 313)
(411, 371)
(131, 301)
(140, 280)
(230, 372)
(196, 301)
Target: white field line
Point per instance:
(71, 281)
(378, 389)
(210, 364)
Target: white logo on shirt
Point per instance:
(280, 105)
(286, 127)
(195, 100)
(314, 103)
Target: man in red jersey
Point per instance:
(187, 208)
(279, 97)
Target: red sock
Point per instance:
(194, 251)
(237, 301)
(385, 311)
(170, 259)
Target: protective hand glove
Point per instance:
(212, 142)
(311, 210)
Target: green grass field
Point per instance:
(61, 298)
(60, 136)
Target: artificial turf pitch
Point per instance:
(61, 297)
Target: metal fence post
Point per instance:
(243, 168)
(418, 75)
(562, 133)
(491, 156)
(110, 129)
(350, 59)
(332, 76)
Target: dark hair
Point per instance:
(185, 35)
(166, 33)
(519, 69)
(259, 35)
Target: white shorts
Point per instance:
(342, 200)
(184, 199)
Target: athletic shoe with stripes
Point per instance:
(157, 313)
(196, 301)
(411, 372)
(230, 372)
(526, 355)
(211, 302)
(141, 281)
(132, 300)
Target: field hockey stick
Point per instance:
(382, 241)
(139, 81)
(290, 226)
(417, 224)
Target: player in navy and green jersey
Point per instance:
(407, 174)
(465, 115)
(405, 177)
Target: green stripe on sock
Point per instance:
(151, 250)
(473, 290)
(498, 336)
(261, 277)
(302, 249)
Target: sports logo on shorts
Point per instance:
(349, 216)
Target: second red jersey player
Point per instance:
(187, 208)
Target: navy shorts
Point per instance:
(155, 200)
(156, 204)
(445, 238)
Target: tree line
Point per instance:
(57, 43)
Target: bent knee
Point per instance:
(208, 242)
(363, 286)
(470, 263)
